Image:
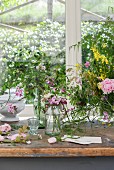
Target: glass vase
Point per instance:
(52, 121)
(38, 109)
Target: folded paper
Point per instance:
(81, 140)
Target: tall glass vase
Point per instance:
(38, 108)
(52, 121)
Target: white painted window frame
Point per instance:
(73, 32)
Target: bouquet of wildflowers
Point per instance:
(93, 88)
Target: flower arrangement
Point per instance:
(91, 91)
(55, 104)
(54, 94)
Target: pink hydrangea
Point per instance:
(87, 64)
(107, 86)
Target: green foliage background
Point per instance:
(22, 52)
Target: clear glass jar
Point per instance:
(52, 121)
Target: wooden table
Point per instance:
(41, 149)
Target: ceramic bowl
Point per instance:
(17, 102)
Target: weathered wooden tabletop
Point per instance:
(41, 148)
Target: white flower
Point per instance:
(37, 67)
(40, 66)
(19, 85)
(43, 67)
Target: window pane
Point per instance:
(97, 27)
(94, 9)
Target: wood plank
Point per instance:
(55, 152)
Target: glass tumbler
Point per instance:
(33, 124)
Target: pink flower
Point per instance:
(63, 90)
(54, 101)
(107, 86)
(19, 92)
(106, 116)
(52, 140)
(2, 128)
(1, 138)
(50, 83)
(13, 137)
(87, 64)
(5, 128)
(63, 101)
(11, 108)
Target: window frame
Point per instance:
(73, 32)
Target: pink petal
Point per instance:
(1, 138)
(52, 140)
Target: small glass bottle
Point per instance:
(38, 109)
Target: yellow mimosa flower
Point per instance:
(104, 59)
(98, 56)
(102, 77)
